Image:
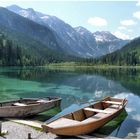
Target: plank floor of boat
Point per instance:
(62, 122)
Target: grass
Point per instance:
(73, 66)
(37, 129)
(78, 65)
(46, 115)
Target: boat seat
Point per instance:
(43, 101)
(62, 122)
(19, 104)
(112, 102)
(89, 113)
(98, 110)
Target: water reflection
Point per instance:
(132, 123)
(73, 87)
(77, 87)
(113, 127)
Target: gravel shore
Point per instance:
(20, 131)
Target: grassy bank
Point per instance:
(73, 65)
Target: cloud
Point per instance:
(138, 3)
(130, 30)
(124, 95)
(122, 28)
(121, 35)
(130, 109)
(138, 133)
(97, 21)
(136, 117)
(128, 22)
(125, 29)
(137, 14)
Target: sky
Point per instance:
(122, 18)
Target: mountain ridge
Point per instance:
(75, 43)
(23, 32)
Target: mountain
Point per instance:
(75, 44)
(17, 50)
(68, 34)
(104, 41)
(90, 39)
(76, 41)
(128, 55)
(104, 36)
(107, 42)
(39, 40)
(28, 13)
(42, 34)
(28, 28)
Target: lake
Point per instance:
(76, 87)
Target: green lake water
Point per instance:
(76, 87)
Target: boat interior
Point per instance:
(91, 113)
(25, 102)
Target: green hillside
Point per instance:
(20, 53)
(129, 55)
(38, 44)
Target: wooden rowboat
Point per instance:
(27, 106)
(87, 119)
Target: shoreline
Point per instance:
(21, 131)
(76, 65)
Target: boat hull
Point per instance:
(82, 127)
(29, 110)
